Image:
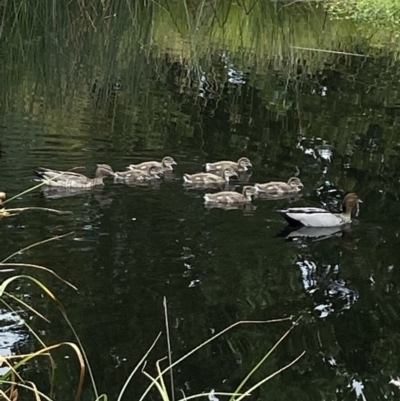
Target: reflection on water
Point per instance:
(312, 233)
(330, 295)
(11, 334)
(329, 119)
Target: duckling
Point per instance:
(165, 163)
(232, 196)
(294, 185)
(69, 179)
(317, 217)
(2, 197)
(243, 164)
(150, 173)
(209, 178)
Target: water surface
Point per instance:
(332, 120)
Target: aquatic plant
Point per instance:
(4, 212)
(381, 14)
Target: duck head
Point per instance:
(350, 202)
(249, 191)
(228, 173)
(156, 172)
(104, 170)
(295, 183)
(168, 162)
(244, 163)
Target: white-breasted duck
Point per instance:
(317, 217)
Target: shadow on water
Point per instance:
(118, 84)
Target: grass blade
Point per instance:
(35, 244)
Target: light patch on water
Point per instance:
(10, 334)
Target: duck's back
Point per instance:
(145, 165)
(221, 165)
(202, 178)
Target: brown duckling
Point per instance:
(2, 198)
(232, 196)
(243, 164)
(209, 178)
(294, 185)
(166, 164)
(150, 173)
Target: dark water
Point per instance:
(335, 124)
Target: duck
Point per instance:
(293, 186)
(69, 179)
(230, 197)
(243, 164)
(209, 178)
(317, 217)
(166, 163)
(2, 198)
(150, 173)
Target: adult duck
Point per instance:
(293, 186)
(243, 164)
(209, 178)
(70, 179)
(232, 197)
(317, 217)
(166, 164)
(151, 173)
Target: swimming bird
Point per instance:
(317, 217)
(150, 173)
(165, 163)
(2, 198)
(69, 179)
(294, 185)
(243, 164)
(232, 196)
(209, 178)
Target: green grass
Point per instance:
(381, 14)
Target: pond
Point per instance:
(78, 92)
